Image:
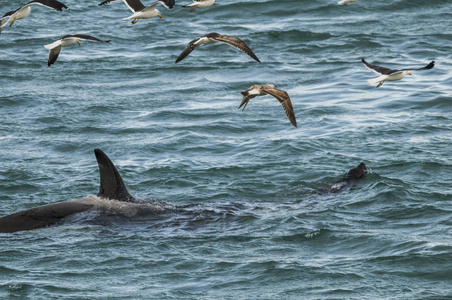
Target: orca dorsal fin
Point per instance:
(111, 184)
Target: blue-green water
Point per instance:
(259, 222)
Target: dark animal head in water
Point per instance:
(356, 173)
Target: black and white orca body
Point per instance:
(113, 197)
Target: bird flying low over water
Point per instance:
(142, 12)
(345, 2)
(269, 89)
(67, 40)
(391, 75)
(24, 11)
(214, 37)
(200, 4)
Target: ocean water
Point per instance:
(256, 217)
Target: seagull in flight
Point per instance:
(214, 37)
(67, 40)
(391, 75)
(200, 4)
(345, 2)
(23, 12)
(269, 89)
(142, 12)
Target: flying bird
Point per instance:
(55, 47)
(23, 12)
(269, 89)
(345, 2)
(214, 37)
(142, 12)
(391, 75)
(200, 4)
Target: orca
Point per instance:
(112, 189)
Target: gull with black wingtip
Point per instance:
(55, 47)
(23, 12)
(142, 12)
(391, 75)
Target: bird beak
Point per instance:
(160, 16)
(79, 43)
(409, 74)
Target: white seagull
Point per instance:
(214, 37)
(391, 75)
(269, 89)
(55, 47)
(200, 4)
(23, 12)
(142, 12)
(345, 2)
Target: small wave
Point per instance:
(296, 36)
(303, 237)
(128, 209)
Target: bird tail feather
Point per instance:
(53, 45)
(4, 21)
(378, 79)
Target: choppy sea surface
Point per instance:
(258, 220)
